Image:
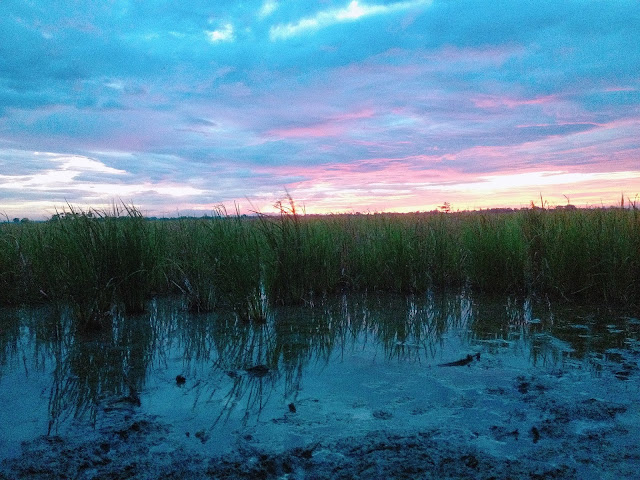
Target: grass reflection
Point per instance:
(109, 366)
(239, 365)
(9, 336)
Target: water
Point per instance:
(345, 365)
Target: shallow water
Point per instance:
(347, 365)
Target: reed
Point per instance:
(218, 261)
(138, 250)
(443, 254)
(407, 254)
(93, 261)
(496, 253)
(584, 254)
(239, 254)
(303, 257)
(190, 267)
(14, 275)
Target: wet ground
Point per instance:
(351, 387)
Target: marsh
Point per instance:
(554, 391)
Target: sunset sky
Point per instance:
(367, 106)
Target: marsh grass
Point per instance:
(303, 258)
(218, 261)
(191, 268)
(589, 254)
(413, 253)
(14, 275)
(95, 261)
(92, 261)
(496, 253)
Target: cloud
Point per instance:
(268, 8)
(495, 101)
(53, 180)
(488, 184)
(223, 34)
(536, 131)
(336, 125)
(80, 163)
(323, 130)
(353, 11)
(369, 91)
(47, 171)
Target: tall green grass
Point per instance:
(402, 253)
(92, 261)
(303, 257)
(592, 254)
(217, 262)
(14, 276)
(496, 253)
(95, 261)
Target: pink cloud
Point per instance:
(495, 55)
(591, 168)
(316, 131)
(364, 113)
(495, 101)
(376, 183)
(334, 126)
(400, 188)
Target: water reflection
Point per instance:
(9, 336)
(111, 365)
(237, 366)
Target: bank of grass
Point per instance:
(218, 261)
(88, 261)
(93, 261)
(587, 254)
(12, 268)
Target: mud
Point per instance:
(543, 434)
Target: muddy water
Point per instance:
(510, 377)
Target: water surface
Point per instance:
(358, 362)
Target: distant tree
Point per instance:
(16, 220)
(445, 207)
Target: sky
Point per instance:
(347, 106)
